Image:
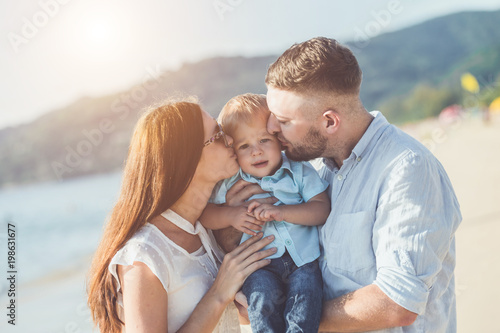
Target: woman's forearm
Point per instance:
(235, 268)
(206, 315)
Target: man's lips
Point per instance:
(260, 164)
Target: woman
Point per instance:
(156, 268)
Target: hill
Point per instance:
(92, 134)
(408, 74)
(434, 52)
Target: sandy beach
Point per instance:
(469, 151)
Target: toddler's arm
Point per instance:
(313, 212)
(217, 217)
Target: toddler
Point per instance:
(286, 295)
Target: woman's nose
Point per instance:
(273, 126)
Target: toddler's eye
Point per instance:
(245, 146)
(264, 140)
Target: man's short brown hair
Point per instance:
(317, 65)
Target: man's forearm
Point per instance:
(365, 309)
(228, 238)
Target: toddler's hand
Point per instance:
(266, 212)
(246, 222)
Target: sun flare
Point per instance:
(99, 33)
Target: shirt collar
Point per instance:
(285, 165)
(371, 135)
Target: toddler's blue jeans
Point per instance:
(284, 298)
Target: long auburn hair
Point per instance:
(164, 152)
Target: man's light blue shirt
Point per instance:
(392, 223)
(293, 183)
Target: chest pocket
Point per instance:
(349, 243)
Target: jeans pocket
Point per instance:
(349, 246)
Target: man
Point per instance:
(388, 246)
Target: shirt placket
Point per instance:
(340, 175)
(277, 231)
(288, 242)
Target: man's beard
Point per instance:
(313, 146)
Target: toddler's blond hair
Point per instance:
(242, 109)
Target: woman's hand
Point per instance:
(238, 265)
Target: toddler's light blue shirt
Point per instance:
(293, 183)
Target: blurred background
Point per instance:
(75, 76)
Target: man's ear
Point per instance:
(331, 121)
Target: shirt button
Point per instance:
(340, 177)
(288, 242)
(358, 159)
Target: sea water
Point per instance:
(58, 227)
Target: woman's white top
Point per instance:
(185, 276)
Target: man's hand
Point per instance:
(241, 191)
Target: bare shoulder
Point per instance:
(138, 275)
(145, 301)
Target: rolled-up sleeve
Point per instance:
(416, 218)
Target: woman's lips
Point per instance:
(260, 164)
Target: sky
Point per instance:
(53, 52)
